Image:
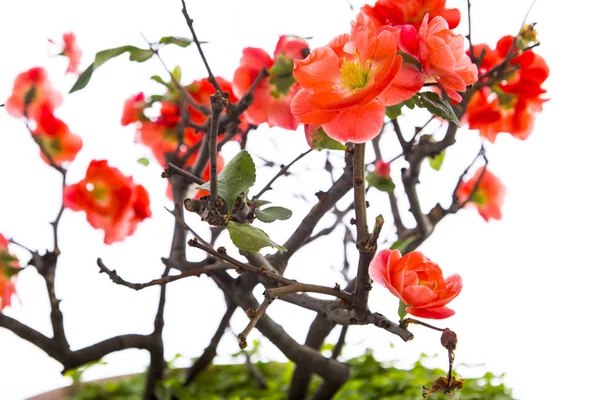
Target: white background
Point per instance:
(530, 293)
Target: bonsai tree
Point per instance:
(376, 104)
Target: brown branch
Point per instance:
(337, 350)
(210, 351)
(326, 201)
(272, 294)
(174, 169)
(391, 195)
(217, 104)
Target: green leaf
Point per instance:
(177, 73)
(157, 97)
(395, 111)
(320, 141)
(271, 214)
(436, 162)
(438, 106)
(409, 58)
(7, 258)
(250, 238)
(383, 184)
(280, 75)
(178, 41)
(135, 54)
(402, 244)
(238, 175)
(160, 80)
(402, 310)
(144, 161)
(259, 202)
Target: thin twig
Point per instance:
(190, 24)
(172, 168)
(282, 171)
(217, 104)
(204, 269)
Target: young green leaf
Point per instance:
(319, 140)
(271, 214)
(402, 310)
(135, 54)
(402, 245)
(238, 175)
(438, 106)
(250, 238)
(143, 161)
(383, 184)
(408, 58)
(178, 41)
(436, 162)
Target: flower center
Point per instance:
(355, 76)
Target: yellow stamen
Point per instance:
(355, 76)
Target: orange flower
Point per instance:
(32, 90)
(489, 196)
(55, 138)
(442, 55)
(402, 12)
(71, 50)
(7, 280)
(111, 201)
(347, 84)
(417, 281)
(133, 110)
(272, 97)
(509, 106)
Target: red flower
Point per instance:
(442, 55)
(133, 110)
(347, 84)
(7, 280)
(32, 87)
(509, 106)
(54, 136)
(382, 169)
(402, 12)
(206, 175)
(72, 51)
(417, 281)
(272, 97)
(489, 196)
(111, 201)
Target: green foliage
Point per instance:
(429, 100)
(409, 58)
(321, 140)
(236, 177)
(271, 214)
(178, 41)
(143, 161)
(383, 184)
(135, 54)
(250, 238)
(402, 245)
(436, 162)
(402, 309)
(369, 380)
